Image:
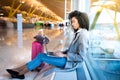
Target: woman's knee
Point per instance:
(41, 55)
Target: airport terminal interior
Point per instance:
(22, 20)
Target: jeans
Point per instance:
(55, 61)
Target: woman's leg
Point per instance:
(55, 61)
(18, 72)
(24, 70)
(21, 70)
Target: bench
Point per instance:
(79, 72)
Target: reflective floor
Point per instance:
(14, 52)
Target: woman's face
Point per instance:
(75, 23)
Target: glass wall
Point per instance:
(104, 53)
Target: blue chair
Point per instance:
(79, 72)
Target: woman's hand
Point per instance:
(59, 54)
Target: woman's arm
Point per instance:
(60, 54)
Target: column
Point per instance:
(75, 4)
(65, 10)
(82, 5)
(19, 30)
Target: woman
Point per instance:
(63, 59)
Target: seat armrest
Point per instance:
(68, 70)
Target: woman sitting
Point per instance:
(62, 59)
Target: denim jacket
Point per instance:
(77, 49)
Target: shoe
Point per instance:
(18, 76)
(11, 72)
(15, 74)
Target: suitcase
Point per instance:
(37, 48)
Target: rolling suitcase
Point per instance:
(37, 48)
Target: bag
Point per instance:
(42, 39)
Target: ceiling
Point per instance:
(45, 9)
(53, 9)
(108, 4)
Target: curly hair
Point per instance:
(81, 17)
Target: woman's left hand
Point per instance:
(59, 54)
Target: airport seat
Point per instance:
(76, 73)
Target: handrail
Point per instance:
(87, 74)
(68, 70)
(90, 69)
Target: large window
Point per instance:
(104, 53)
